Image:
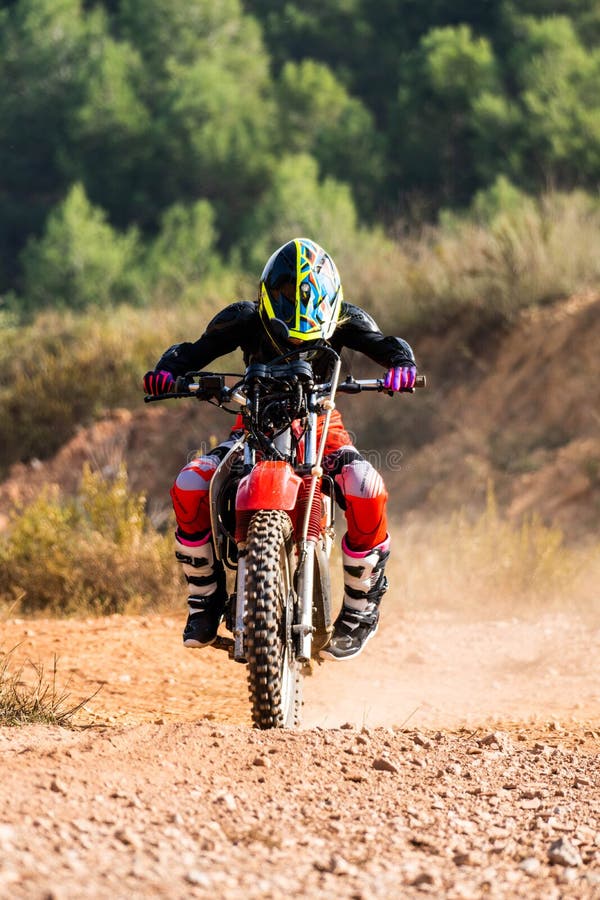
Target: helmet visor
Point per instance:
(283, 302)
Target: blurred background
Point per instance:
(153, 155)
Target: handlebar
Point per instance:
(212, 387)
(354, 386)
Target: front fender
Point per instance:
(272, 484)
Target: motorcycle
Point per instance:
(272, 512)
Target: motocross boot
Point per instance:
(364, 586)
(205, 576)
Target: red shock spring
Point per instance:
(314, 522)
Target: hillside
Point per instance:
(519, 407)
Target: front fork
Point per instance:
(306, 578)
(306, 565)
(239, 651)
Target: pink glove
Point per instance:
(400, 378)
(161, 382)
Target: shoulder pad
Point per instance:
(356, 317)
(170, 355)
(238, 313)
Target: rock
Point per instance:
(423, 878)
(531, 866)
(381, 764)
(262, 761)
(489, 739)
(534, 803)
(567, 875)
(201, 879)
(336, 865)
(228, 800)
(58, 786)
(127, 837)
(581, 781)
(339, 866)
(562, 853)
(354, 775)
(421, 741)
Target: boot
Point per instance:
(364, 586)
(205, 576)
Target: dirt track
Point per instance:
(470, 752)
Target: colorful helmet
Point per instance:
(300, 294)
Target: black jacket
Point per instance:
(239, 325)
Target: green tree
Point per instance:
(43, 45)
(184, 251)
(296, 203)
(80, 260)
(440, 86)
(185, 31)
(209, 90)
(215, 136)
(558, 80)
(317, 116)
(111, 130)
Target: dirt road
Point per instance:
(466, 766)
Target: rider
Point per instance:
(300, 304)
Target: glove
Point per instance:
(400, 378)
(161, 382)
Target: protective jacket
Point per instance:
(239, 326)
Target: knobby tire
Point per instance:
(274, 677)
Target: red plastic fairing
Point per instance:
(272, 484)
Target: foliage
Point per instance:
(146, 108)
(43, 44)
(319, 117)
(298, 203)
(80, 260)
(96, 551)
(183, 253)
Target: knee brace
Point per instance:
(190, 495)
(366, 497)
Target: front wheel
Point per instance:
(274, 677)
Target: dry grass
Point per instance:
(489, 566)
(30, 697)
(535, 252)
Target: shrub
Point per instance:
(184, 251)
(94, 552)
(80, 260)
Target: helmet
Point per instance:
(300, 294)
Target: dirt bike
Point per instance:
(272, 516)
